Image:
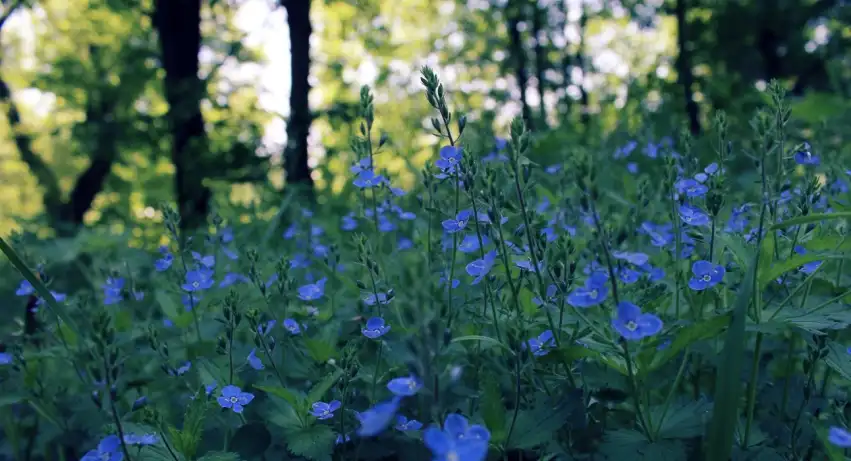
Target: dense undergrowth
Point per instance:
(642, 304)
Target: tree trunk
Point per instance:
(178, 23)
(540, 14)
(518, 52)
(684, 71)
(298, 127)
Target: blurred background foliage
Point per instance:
(109, 108)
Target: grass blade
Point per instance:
(728, 387)
(57, 309)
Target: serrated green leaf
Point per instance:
(493, 410)
(284, 415)
(838, 359)
(219, 456)
(778, 268)
(315, 443)
(683, 338)
(728, 388)
(683, 420)
(832, 317)
(320, 350)
(536, 427)
(291, 397)
(318, 392)
(186, 440)
(251, 440)
(623, 444)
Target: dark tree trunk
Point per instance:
(298, 126)
(540, 14)
(178, 23)
(684, 71)
(518, 52)
(584, 100)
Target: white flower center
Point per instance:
(234, 399)
(707, 278)
(631, 325)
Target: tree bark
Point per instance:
(298, 127)
(540, 13)
(178, 23)
(684, 71)
(518, 52)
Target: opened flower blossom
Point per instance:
(234, 398)
(375, 328)
(706, 275)
(458, 440)
(632, 324)
(322, 410)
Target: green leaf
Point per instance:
(11, 398)
(187, 439)
(623, 444)
(251, 440)
(167, 304)
(219, 456)
(315, 443)
(683, 338)
(536, 427)
(319, 390)
(320, 349)
(57, 309)
(817, 321)
(769, 274)
(838, 359)
(284, 415)
(728, 388)
(817, 217)
(291, 397)
(483, 339)
(683, 420)
(493, 410)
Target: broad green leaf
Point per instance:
(219, 456)
(11, 398)
(320, 350)
(728, 387)
(623, 444)
(838, 359)
(319, 390)
(315, 443)
(812, 218)
(493, 409)
(536, 427)
(291, 397)
(768, 274)
(683, 420)
(683, 338)
(251, 440)
(57, 309)
(284, 415)
(817, 321)
(167, 304)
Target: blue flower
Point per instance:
(322, 410)
(292, 326)
(481, 267)
(377, 418)
(367, 179)
(375, 328)
(112, 291)
(552, 290)
(638, 259)
(458, 441)
(470, 243)
(405, 387)
(312, 291)
(181, 370)
(839, 436)
(805, 157)
(593, 293)
(458, 223)
(404, 424)
(810, 267)
(364, 164)
(691, 188)
(706, 275)
(5, 358)
(109, 449)
(528, 266)
(693, 216)
(207, 261)
(232, 397)
(198, 280)
(165, 262)
(25, 289)
(349, 222)
(371, 300)
(450, 158)
(632, 324)
(255, 361)
(541, 345)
